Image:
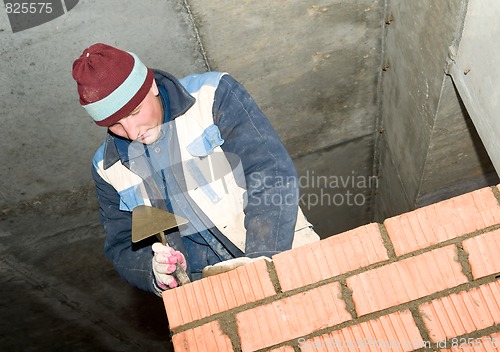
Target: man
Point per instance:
(199, 148)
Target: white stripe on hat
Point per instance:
(109, 105)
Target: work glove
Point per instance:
(164, 265)
(230, 264)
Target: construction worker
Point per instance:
(199, 148)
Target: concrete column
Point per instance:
(429, 148)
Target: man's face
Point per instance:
(144, 123)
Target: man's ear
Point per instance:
(154, 88)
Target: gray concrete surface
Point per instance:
(356, 90)
(431, 150)
(58, 291)
(314, 73)
(477, 77)
(48, 138)
(416, 49)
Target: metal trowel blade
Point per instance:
(148, 221)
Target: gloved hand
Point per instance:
(230, 264)
(164, 265)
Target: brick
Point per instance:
(406, 280)
(330, 257)
(205, 338)
(462, 313)
(495, 338)
(493, 342)
(442, 221)
(291, 317)
(283, 349)
(393, 332)
(217, 293)
(484, 253)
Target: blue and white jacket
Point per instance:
(219, 164)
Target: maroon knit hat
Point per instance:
(111, 82)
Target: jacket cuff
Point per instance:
(156, 289)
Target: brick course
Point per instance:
(291, 317)
(222, 292)
(207, 338)
(424, 280)
(443, 221)
(330, 257)
(484, 254)
(463, 312)
(406, 280)
(395, 332)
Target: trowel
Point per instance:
(148, 221)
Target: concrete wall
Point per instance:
(476, 73)
(48, 140)
(457, 160)
(314, 73)
(430, 150)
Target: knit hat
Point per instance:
(111, 82)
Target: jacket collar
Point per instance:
(180, 100)
(173, 95)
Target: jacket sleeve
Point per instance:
(271, 179)
(133, 263)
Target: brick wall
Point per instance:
(428, 280)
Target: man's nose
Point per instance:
(130, 127)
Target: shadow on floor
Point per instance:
(59, 292)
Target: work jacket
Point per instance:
(218, 163)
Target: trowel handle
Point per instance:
(180, 273)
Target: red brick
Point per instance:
(283, 349)
(462, 313)
(484, 253)
(496, 338)
(330, 257)
(393, 332)
(493, 342)
(442, 221)
(217, 293)
(204, 338)
(291, 317)
(406, 280)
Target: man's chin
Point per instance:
(149, 138)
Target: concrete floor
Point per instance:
(51, 299)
